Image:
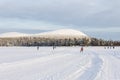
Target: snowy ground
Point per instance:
(63, 63)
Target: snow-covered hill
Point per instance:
(60, 34)
(63, 33)
(13, 34)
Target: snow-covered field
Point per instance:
(63, 63)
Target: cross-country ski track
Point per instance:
(62, 63)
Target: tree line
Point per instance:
(41, 41)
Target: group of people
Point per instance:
(81, 49)
(110, 47)
(53, 47)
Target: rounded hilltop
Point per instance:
(58, 34)
(64, 33)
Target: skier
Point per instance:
(81, 50)
(54, 47)
(37, 47)
(113, 47)
(104, 47)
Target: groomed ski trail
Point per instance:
(63, 63)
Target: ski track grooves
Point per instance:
(63, 63)
(91, 73)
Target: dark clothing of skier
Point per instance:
(113, 47)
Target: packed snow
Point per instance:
(62, 63)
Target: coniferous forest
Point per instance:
(39, 41)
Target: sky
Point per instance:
(96, 18)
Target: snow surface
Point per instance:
(63, 63)
(63, 33)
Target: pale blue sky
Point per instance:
(98, 18)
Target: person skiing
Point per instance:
(113, 47)
(81, 50)
(37, 47)
(54, 47)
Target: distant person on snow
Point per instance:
(54, 47)
(37, 47)
(104, 47)
(81, 50)
(113, 47)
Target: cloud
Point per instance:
(15, 23)
(56, 14)
(75, 12)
